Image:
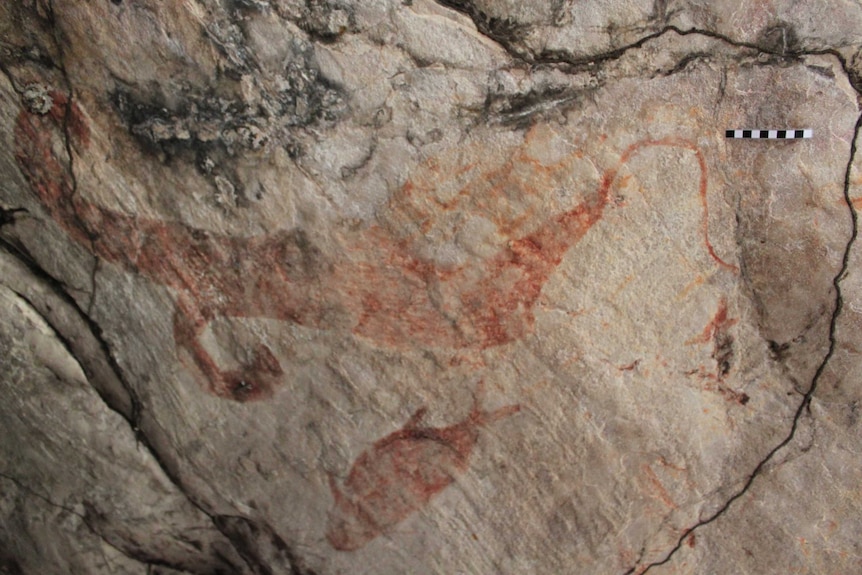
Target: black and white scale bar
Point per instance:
(769, 134)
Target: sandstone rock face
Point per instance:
(465, 286)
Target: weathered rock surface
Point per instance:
(429, 287)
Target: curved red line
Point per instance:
(672, 142)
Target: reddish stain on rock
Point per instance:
(67, 113)
(722, 340)
(718, 333)
(657, 487)
(38, 138)
(380, 290)
(400, 474)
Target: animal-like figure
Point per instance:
(400, 474)
(383, 291)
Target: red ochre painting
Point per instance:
(401, 472)
(386, 293)
(392, 296)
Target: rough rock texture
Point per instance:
(465, 286)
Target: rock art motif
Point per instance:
(400, 474)
(396, 300)
(344, 211)
(718, 333)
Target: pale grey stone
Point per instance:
(464, 286)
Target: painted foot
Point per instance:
(255, 381)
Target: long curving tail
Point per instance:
(201, 268)
(673, 142)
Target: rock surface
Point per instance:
(326, 286)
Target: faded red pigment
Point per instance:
(400, 474)
(718, 333)
(382, 291)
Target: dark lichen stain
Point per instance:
(327, 20)
(779, 351)
(385, 293)
(261, 547)
(506, 30)
(723, 353)
(522, 110)
(780, 38)
(9, 215)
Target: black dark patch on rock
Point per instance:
(521, 110)
(228, 37)
(687, 61)
(8, 215)
(262, 549)
(248, 5)
(853, 413)
(29, 54)
(722, 352)
(854, 71)
(28, 36)
(503, 30)
(299, 257)
(506, 31)
(824, 71)
(309, 97)
(779, 351)
(327, 20)
(198, 127)
(10, 566)
(294, 149)
(779, 39)
(659, 10)
(202, 124)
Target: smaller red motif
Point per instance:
(401, 472)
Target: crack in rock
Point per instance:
(259, 545)
(98, 364)
(804, 405)
(9, 215)
(126, 403)
(255, 542)
(138, 557)
(779, 40)
(519, 109)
